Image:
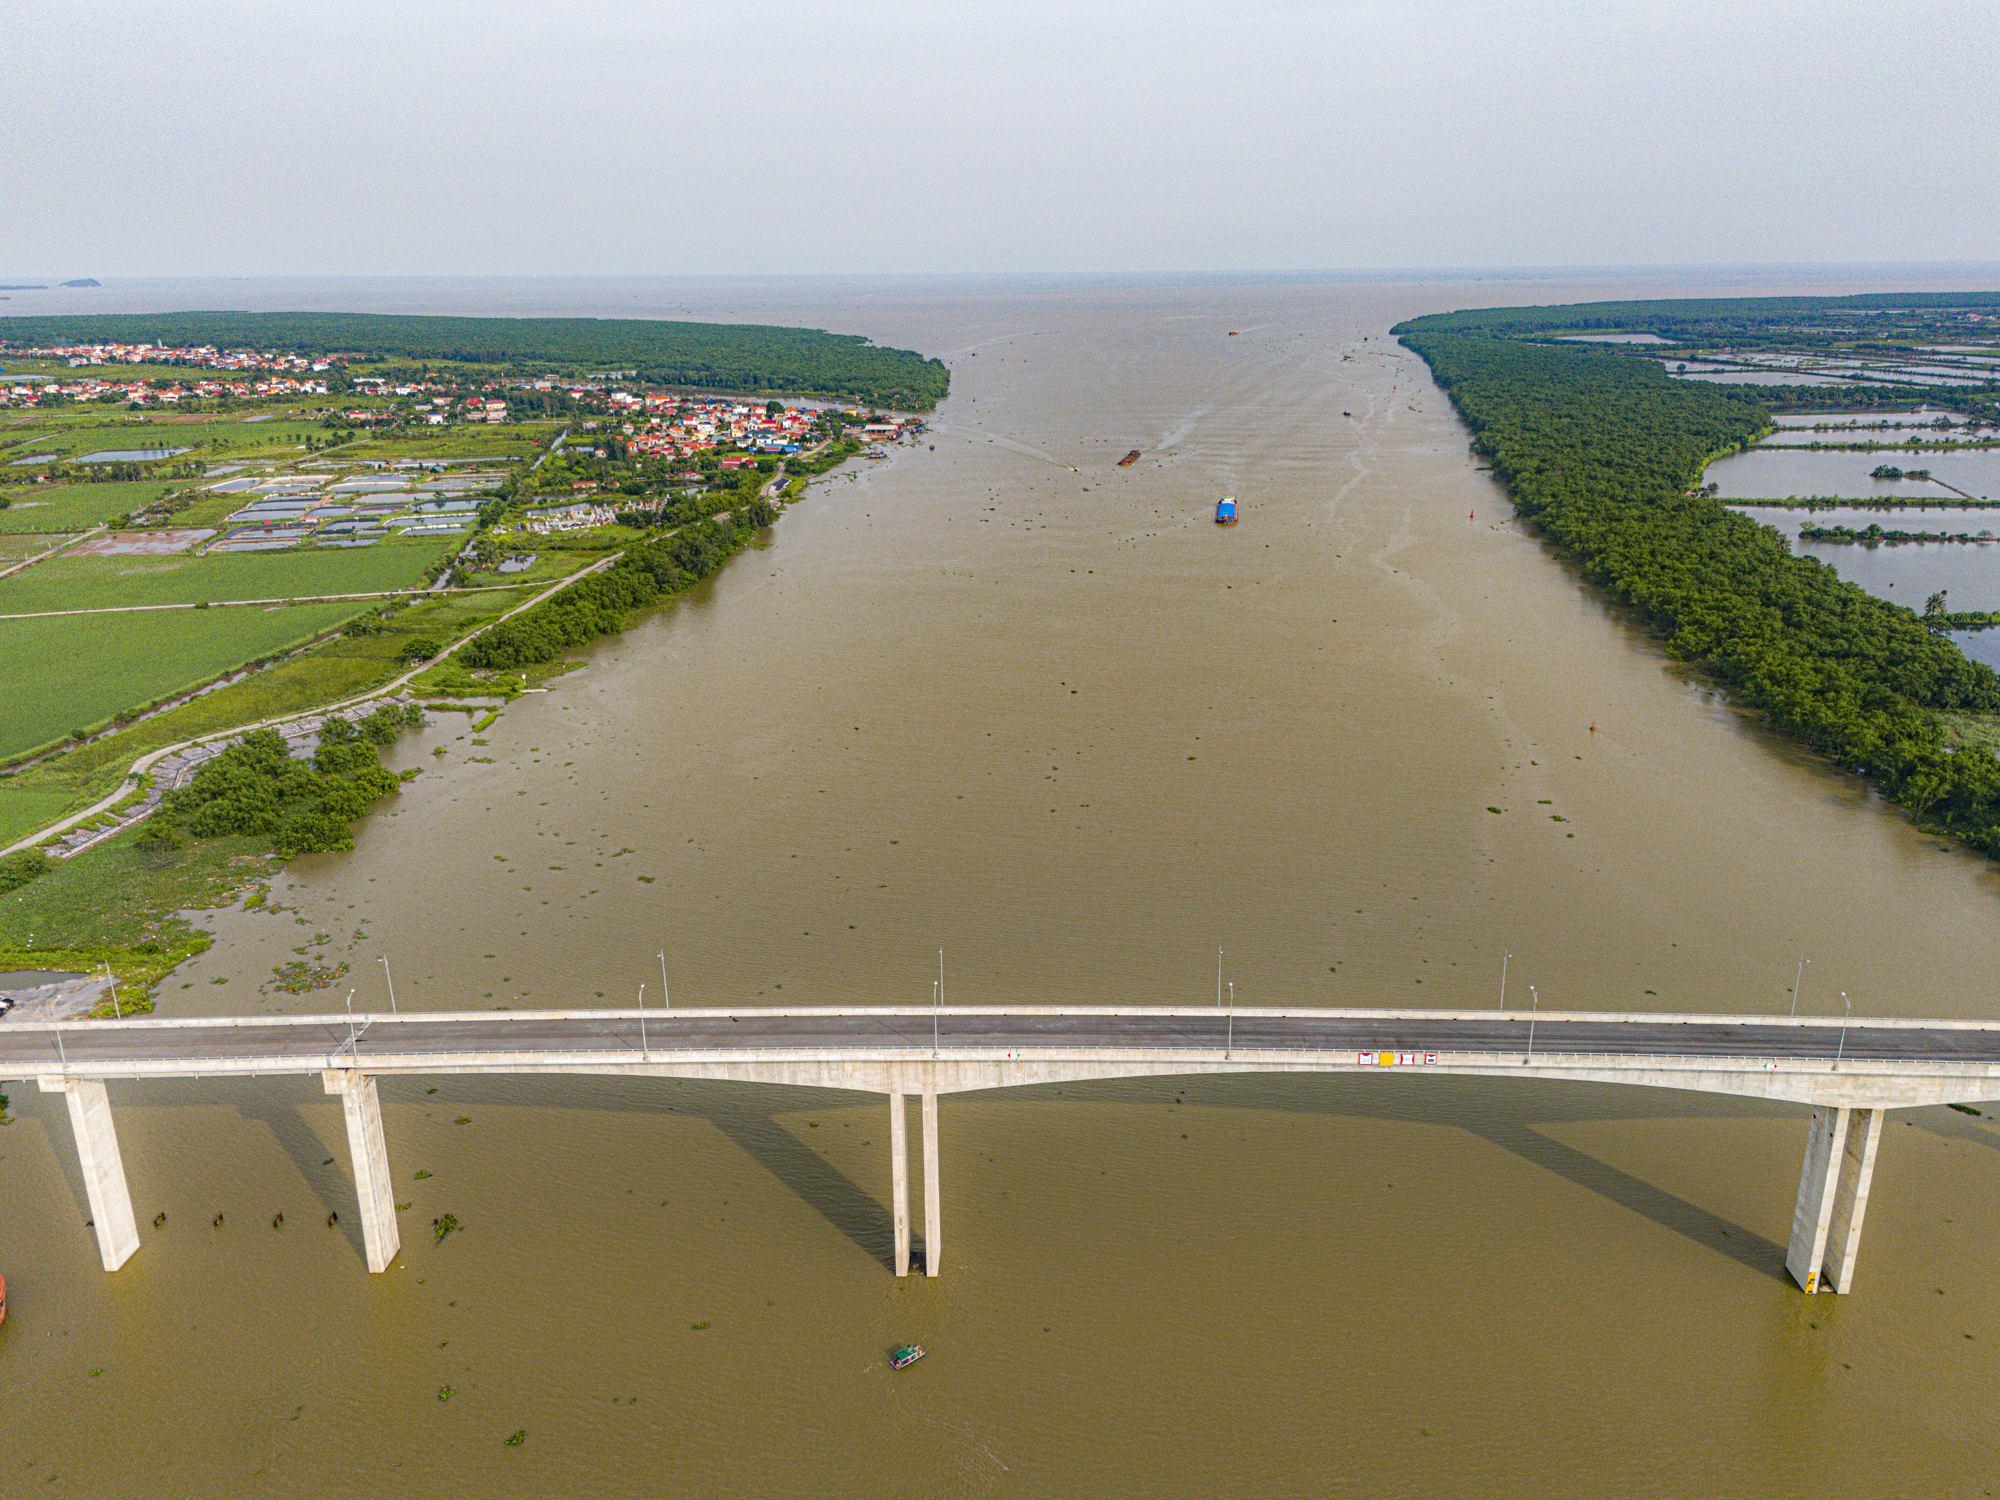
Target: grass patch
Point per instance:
(24, 809)
(114, 898)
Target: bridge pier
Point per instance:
(1833, 1196)
(368, 1154)
(933, 1208)
(103, 1168)
(899, 1178)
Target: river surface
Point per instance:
(1010, 700)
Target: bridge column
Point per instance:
(103, 1168)
(368, 1154)
(899, 1174)
(1833, 1197)
(933, 1209)
(1850, 1203)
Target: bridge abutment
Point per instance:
(103, 1168)
(1833, 1197)
(368, 1153)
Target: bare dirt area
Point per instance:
(143, 543)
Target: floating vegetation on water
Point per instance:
(697, 1327)
(444, 1225)
(463, 1120)
(422, 1175)
(518, 1438)
(296, 979)
(444, 1393)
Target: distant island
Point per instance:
(84, 281)
(23, 289)
(725, 357)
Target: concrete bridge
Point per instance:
(1848, 1075)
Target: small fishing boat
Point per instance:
(1225, 511)
(1129, 459)
(907, 1354)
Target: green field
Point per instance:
(16, 545)
(24, 809)
(468, 440)
(74, 671)
(98, 582)
(76, 507)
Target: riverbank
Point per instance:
(1602, 455)
(127, 899)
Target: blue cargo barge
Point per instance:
(1225, 511)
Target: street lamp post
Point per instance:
(1503, 979)
(1847, 1011)
(1533, 1016)
(937, 1004)
(1798, 974)
(391, 979)
(113, 978)
(666, 1000)
(1229, 1045)
(642, 1020)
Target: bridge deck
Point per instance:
(112, 1049)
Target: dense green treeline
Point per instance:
(599, 605)
(706, 356)
(1601, 453)
(1708, 315)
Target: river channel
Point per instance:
(1007, 699)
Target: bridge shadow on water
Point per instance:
(1512, 1120)
(748, 1115)
(280, 1113)
(751, 1116)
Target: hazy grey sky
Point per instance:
(607, 136)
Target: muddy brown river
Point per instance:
(1007, 699)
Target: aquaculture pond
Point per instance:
(1909, 572)
(1774, 473)
(1883, 425)
(131, 455)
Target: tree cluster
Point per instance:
(598, 605)
(256, 786)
